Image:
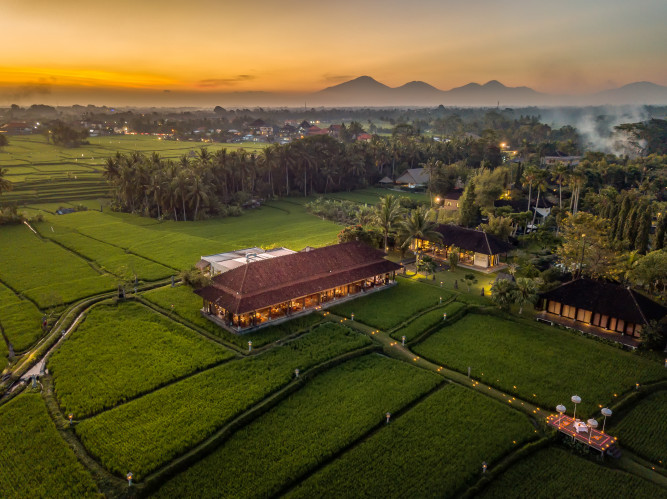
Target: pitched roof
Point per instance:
(386, 180)
(608, 299)
(414, 176)
(269, 282)
(472, 240)
(454, 195)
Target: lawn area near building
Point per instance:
(121, 351)
(644, 428)
(554, 472)
(328, 414)
(436, 448)
(36, 461)
(543, 364)
(389, 308)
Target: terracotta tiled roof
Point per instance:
(608, 299)
(472, 240)
(269, 282)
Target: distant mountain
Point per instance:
(366, 91)
(638, 93)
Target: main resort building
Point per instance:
(476, 249)
(267, 290)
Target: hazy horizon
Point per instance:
(167, 53)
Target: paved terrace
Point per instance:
(628, 341)
(578, 430)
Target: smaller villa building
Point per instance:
(263, 291)
(476, 248)
(609, 307)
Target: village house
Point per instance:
(476, 249)
(560, 158)
(414, 177)
(263, 291)
(450, 201)
(600, 307)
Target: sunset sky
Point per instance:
(119, 51)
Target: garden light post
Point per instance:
(441, 300)
(70, 418)
(444, 316)
(576, 399)
(388, 415)
(351, 316)
(129, 478)
(592, 424)
(403, 340)
(296, 372)
(250, 346)
(561, 409)
(605, 412)
(484, 466)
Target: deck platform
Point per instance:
(600, 441)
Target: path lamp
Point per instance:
(296, 372)
(636, 386)
(352, 316)
(403, 340)
(441, 299)
(70, 418)
(484, 466)
(606, 412)
(129, 478)
(250, 346)
(592, 424)
(561, 409)
(444, 316)
(576, 399)
(388, 415)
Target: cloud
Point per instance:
(332, 78)
(224, 82)
(41, 87)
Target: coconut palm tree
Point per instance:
(529, 175)
(502, 293)
(525, 292)
(387, 213)
(418, 226)
(540, 186)
(558, 174)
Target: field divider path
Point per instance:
(393, 348)
(153, 481)
(45, 346)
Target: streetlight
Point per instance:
(592, 424)
(605, 412)
(561, 409)
(576, 399)
(388, 415)
(250, 346)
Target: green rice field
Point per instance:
(539, 363)
(644, 429)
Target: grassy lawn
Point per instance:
(288, 441)
(447, 279)
(187, 305)
(644, 429)
(387, 308)
(151, 430)
(539, 363)
(448, 432)
(557, 473)
(36, 461)
(121, 351)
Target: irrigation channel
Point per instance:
(33, 363)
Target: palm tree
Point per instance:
(525, 292)
(198, 192)
(181, 187)
(5, 184)
(502, 293)
(529, 175)
(431, 167)
(540, 186)
(387, 213)
(418, 226)
(558, 175)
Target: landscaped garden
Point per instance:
(539, 363)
